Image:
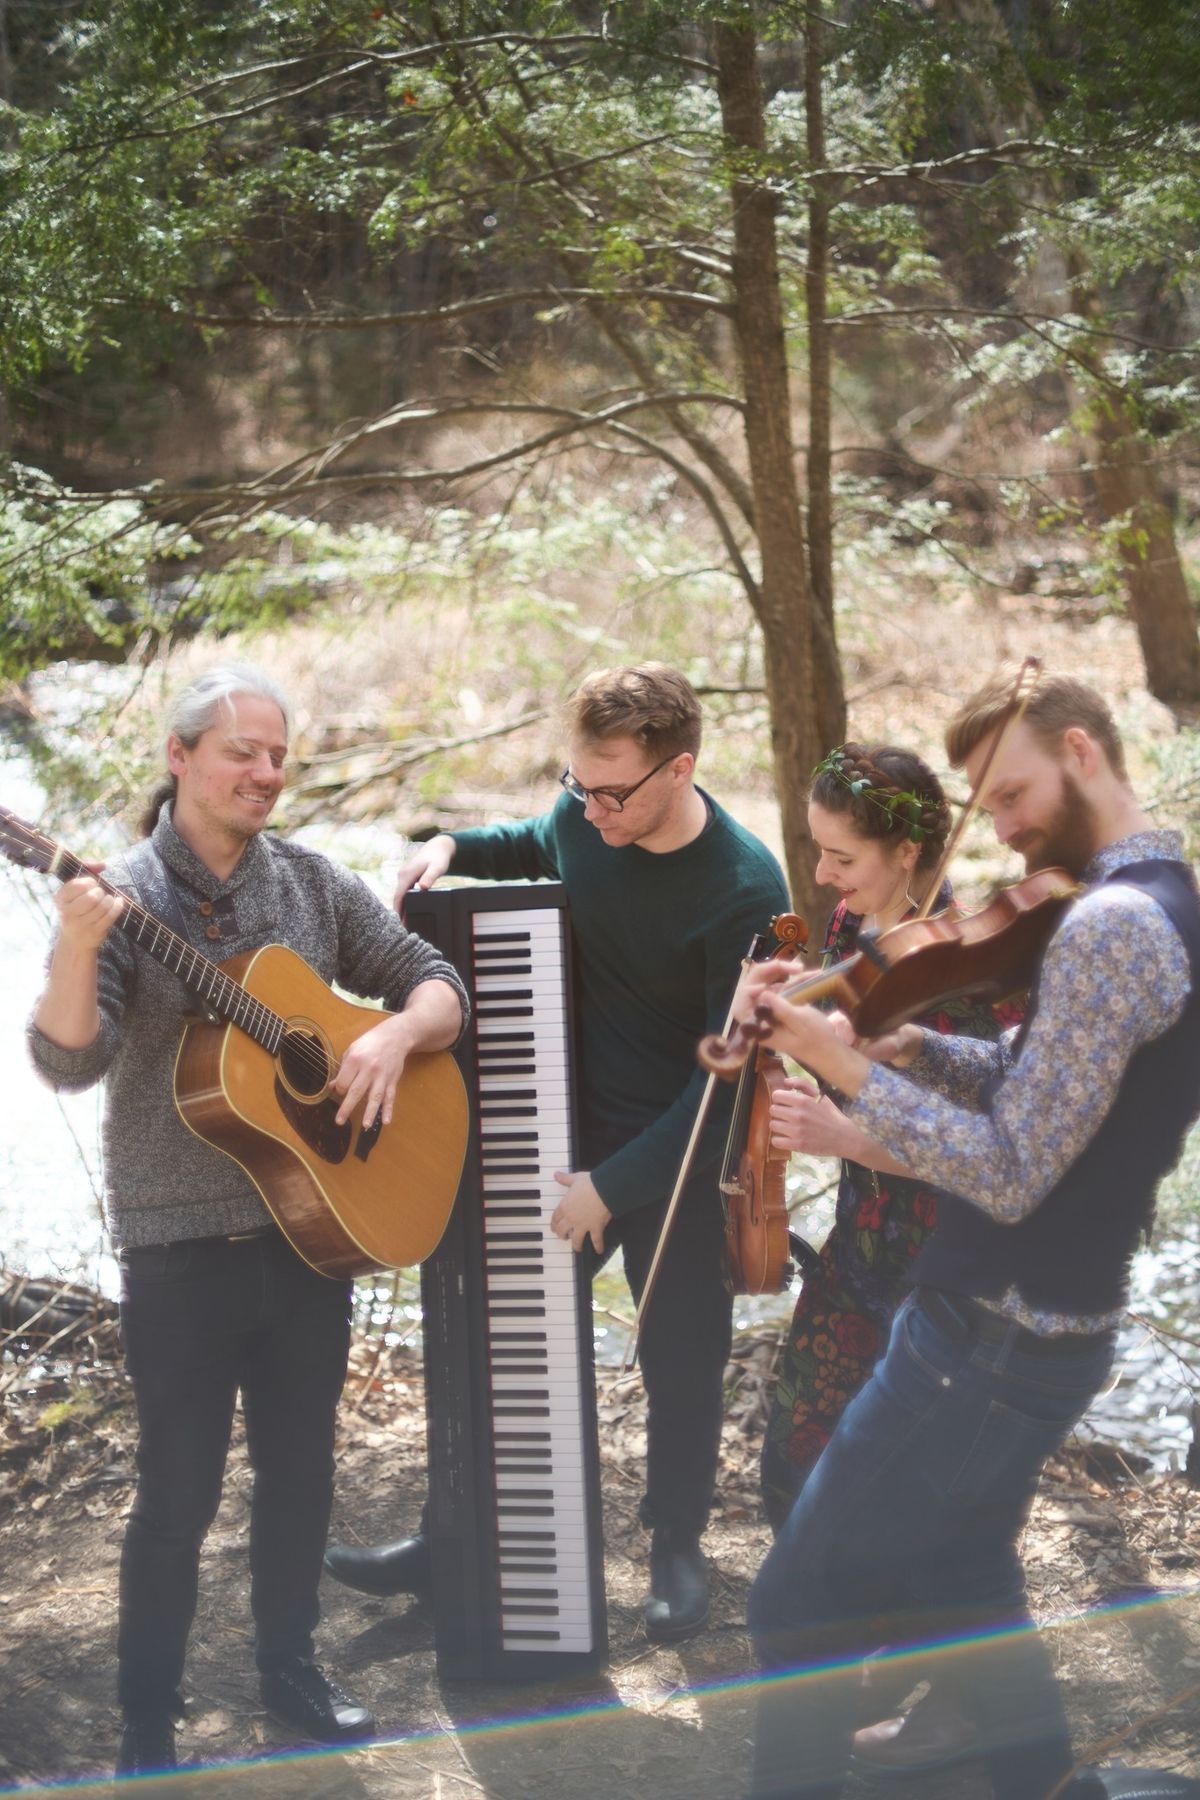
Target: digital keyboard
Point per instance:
(514, 1522)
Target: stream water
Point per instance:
(50, 1217)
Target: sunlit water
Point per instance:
(50, 1221)
(50, 1217)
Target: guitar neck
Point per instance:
(220, 993)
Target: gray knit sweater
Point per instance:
(162, 1184)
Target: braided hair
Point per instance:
(888, 793)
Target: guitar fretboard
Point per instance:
(224, 996)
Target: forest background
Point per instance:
(570, 332)
(833, 352)
(433, 355)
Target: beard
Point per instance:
(1068, 838)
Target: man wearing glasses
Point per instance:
(666, 892)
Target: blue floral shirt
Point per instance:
(1054, 1099)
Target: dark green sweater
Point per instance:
(659, 940)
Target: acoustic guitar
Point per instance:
(252, 1078)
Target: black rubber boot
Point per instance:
(678, 1603)
(401, 1568)
(147, 1744)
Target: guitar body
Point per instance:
(348, 1201)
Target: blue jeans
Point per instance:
(199, 1322)
(906, 1532)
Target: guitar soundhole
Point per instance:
(304, 1063)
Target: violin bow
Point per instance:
(1023, 689)
(685, 1169)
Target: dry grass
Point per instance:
(674, 1722)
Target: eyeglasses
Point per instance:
(614, 798)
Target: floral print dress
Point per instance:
(844, 1311)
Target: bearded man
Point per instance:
(1048, 1146)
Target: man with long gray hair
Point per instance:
(214, 1299)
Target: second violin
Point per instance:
(757, 1251)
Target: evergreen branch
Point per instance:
(484, 40)
(207, 121)
(365, 59)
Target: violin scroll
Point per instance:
(726, 1056)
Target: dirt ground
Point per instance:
(1114, 1568)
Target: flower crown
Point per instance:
(904, 807)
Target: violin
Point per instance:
(757, 1250)
(787, 926)
(919, 965)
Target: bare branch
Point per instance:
(876, 315)
(1016, 151)
(277, 486)
(394, 762)
(458, 309)
(702, 447)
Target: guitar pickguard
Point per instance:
(316, 1123)
(368, 1139)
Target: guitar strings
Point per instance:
(301, 1045)
(23, 842)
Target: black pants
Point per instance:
(686, 1338)
(199, 1321)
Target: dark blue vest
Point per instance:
(1072, 1253)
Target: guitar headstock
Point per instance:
(24, 845)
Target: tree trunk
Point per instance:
(1154, 580)
(804, 683)
(820, 379)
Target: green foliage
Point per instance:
(92, 580)
(1177, 792)
(1179, 1196)
(163, 162)
(77, 572)
(1133, 64)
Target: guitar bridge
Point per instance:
(368, 1139)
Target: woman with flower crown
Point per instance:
(880, 820)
